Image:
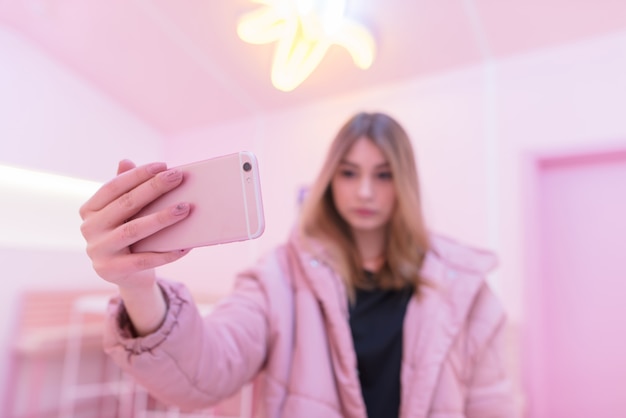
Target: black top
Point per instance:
(376, 320)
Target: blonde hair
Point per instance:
(407, 238)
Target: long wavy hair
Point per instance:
(406, 238)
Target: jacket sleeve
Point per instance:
(191, 361)
(490, 393)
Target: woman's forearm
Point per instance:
(146, 308)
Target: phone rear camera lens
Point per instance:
(247, 167)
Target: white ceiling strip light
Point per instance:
(40, 210)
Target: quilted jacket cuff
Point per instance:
(121, 328)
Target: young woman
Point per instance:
(361, 313)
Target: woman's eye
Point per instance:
(385, 175)
(347, 173)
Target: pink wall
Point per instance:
(52, 121)
(559, 100)
(47, 111)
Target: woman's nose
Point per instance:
(365, 187)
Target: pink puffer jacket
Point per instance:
(286, 324)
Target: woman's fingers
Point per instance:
(124, 166)
(110, 225)
(130, 203)
(142, 227)
(118, 186)
(134, 269)
(107, 243)
(127, 205)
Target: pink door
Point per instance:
(575, 350)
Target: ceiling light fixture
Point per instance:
(303, 31)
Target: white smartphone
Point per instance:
(226, 205)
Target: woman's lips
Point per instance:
(364, 212)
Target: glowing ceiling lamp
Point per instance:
(303, 31)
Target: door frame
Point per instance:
(532, 327)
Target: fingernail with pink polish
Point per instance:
(155, 168)
(181, 209)
(173, 175)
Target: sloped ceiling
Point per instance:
(179, 65)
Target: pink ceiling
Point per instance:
(179, 65)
